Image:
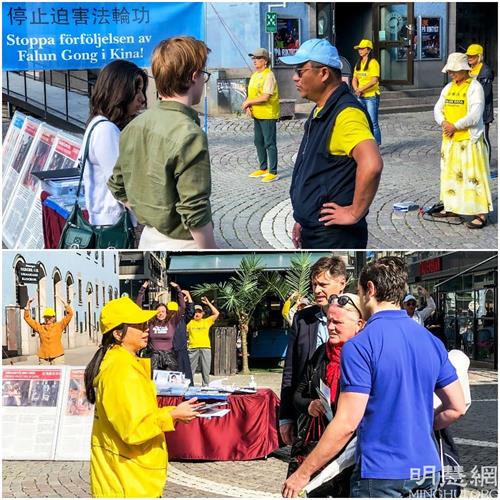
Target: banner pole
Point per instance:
(205, 101)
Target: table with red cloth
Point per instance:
(248, 431)
(53, 223)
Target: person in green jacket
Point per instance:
(163, 169)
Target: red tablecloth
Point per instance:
(53, 224)
(248, 431)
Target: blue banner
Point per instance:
(43, 36)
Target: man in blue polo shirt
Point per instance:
(390, 371)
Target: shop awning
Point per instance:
(228, 262)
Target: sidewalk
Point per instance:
(250, 214)
(264, 377)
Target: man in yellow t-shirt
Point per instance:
(199, 348)
(263, 105)
(332, 188)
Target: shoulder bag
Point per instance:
(78, 233)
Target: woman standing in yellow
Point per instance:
(128, 450)
(365, 83)
(485, 76)
(464, 158)
(263, 105)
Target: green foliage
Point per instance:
(242, 293)
(295, 280)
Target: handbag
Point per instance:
(78, 233)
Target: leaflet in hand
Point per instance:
(325, 398)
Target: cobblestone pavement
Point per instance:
(251, 214)
(476, 437)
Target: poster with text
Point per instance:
(286, 40)
(77, 415)
(76, 35)
(63, 155)
(31, 400)
(11, 138)
(13, 170)
(430, 38)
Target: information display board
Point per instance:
(77, 415)
(31, 400)
(11, 137)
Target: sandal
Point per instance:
(444, 214)
(482, 223)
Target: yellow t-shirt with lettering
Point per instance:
(351, 128)
(365, 74)
(198, 333)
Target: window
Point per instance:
(116, 293)
(97, 295)
(96, 256)
(76, 322)
(110, 293)
(79, 291)
(102, 259)
(103, 295)
(114, 263)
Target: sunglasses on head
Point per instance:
(343, 300)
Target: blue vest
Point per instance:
(318, 176)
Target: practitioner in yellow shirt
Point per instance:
(465, 176)
(199, 347)
(365, 83)
(263, 106)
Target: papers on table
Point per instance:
(210, 410)
(169, 383)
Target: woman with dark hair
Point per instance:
(167, 343)
(128, 449)
(118, 96)
(365, 83)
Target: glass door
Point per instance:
(394, 28)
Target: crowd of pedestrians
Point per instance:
(157, 164)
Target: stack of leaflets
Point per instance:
(209, 410)
(170, 383)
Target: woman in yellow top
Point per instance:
(365, 83)
(485, 76)
(465, 185)
(128, 450)
(263, 105)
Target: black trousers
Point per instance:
(336, 237)
(487, 140)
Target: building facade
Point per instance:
(411, 39)
(465, 288)
(89, 279)
(138, 267)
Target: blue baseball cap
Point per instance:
(318, 50)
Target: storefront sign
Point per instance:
(430, 266)
(28, 273)
(430, 38)
(286, 40)
(42, 36)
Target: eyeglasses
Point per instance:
(300, 71)
(343, 300)
(411, 304)
(206, 75)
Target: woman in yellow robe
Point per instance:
(465, 175)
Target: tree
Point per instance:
(296, 279)
(240, 295)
